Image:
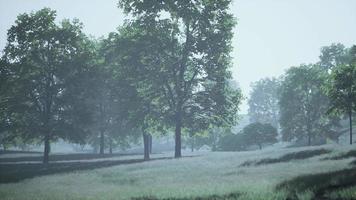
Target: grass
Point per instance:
(349, 154)
(322, 184)
(60, 157)
(288, 157)
(214, 175)
(17, 172)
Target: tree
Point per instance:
(303, 105)
(233, 142)
(259, 134)
(107, 100)
(333, 55)
(263, 102)
(128, 65)
(192, 69)
(46, 61)
(342, 88)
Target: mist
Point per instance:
(127, 99)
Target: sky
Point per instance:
(270, 37)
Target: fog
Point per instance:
(216, 99)
(270, 36)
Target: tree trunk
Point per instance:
(150, 143)
(309, 133)
(193, 143)
(102, 142)
(178, 135)
(260, 146)
(46, 149)
(110, 146)
(146, 146)
(350, 119)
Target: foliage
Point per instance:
(342, 89)
(45, 61)
(194, 74)
(263, 102)
(110, 100)
(259, 134)
(333, 56)
(303, 105)
(233, 142)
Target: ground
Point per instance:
(323, 172)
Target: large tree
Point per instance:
(342, 88)
(263, 102)
(195, 39)
(45, 63)
(303, 105)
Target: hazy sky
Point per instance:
(271, 35)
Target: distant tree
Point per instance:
(259, 134)
(45, 63)
(194, 76)
(108, 99)
(210, 137)
(342, 88)
(131, 65)
(263, 102)
(233, 142)
(303, 104)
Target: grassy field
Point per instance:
(323, 172)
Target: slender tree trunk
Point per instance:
(110, 146)
(260, 146)
(146, 146)
(309, 133)
(214, 148)
(193, 140)
(46, 149)
(178, 135)
(102, 142)
(350, 119)
(150, 143)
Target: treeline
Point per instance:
(307, 105)
(167, 69)
(309, 102)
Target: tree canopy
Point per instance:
(44, 61)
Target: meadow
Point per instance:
(322, 172)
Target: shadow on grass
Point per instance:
(349, 154)
(17, 151)
(231, 196)
(17, 172)
(62, 157)
(287, 157)
(320, 184)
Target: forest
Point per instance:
(152, 111)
